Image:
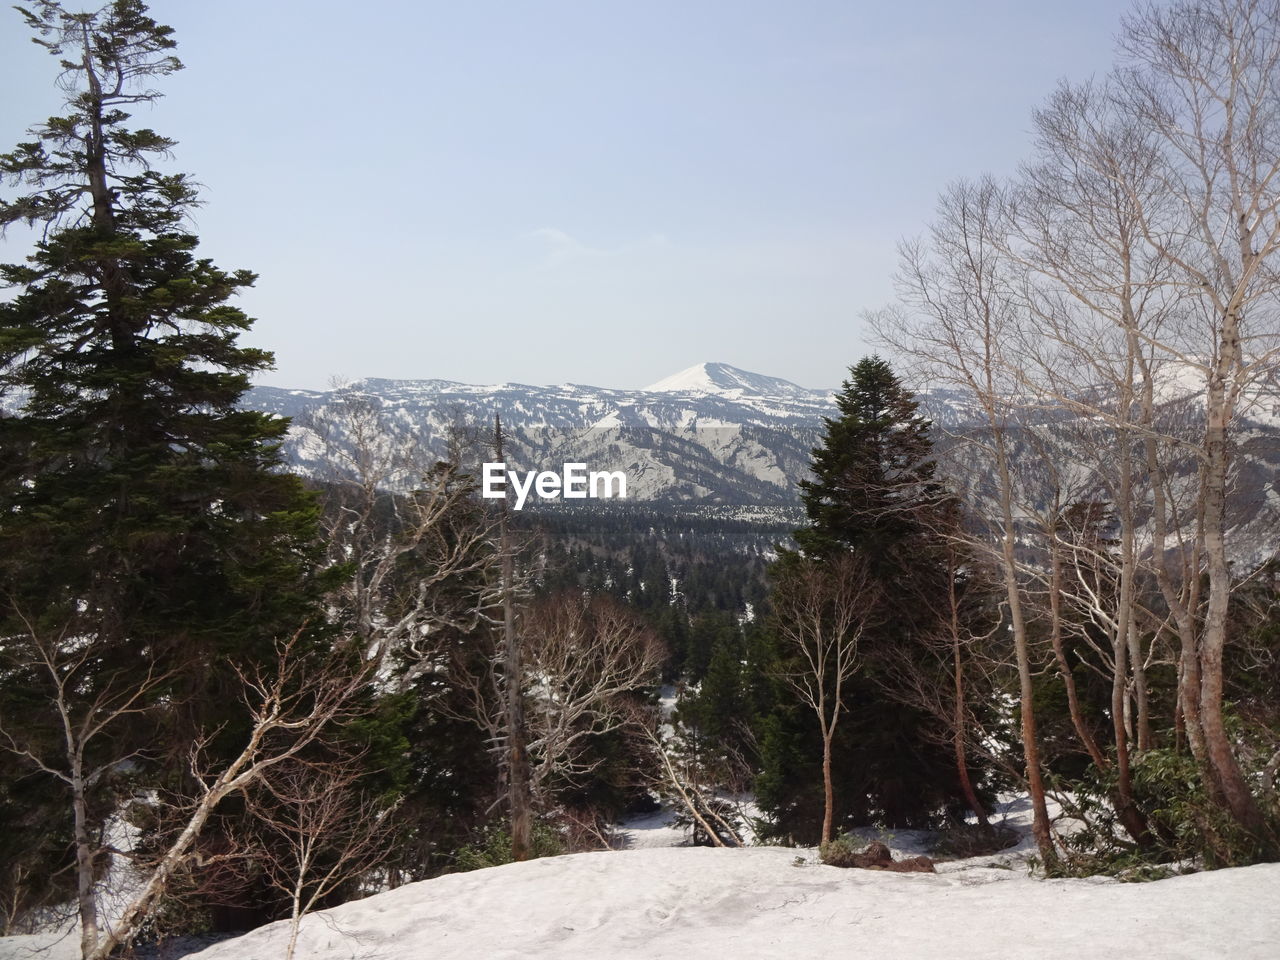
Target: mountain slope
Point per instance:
(725, 379)
(714, 438)
(715, 435)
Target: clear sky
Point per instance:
(596, 191)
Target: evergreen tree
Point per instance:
(873, 476)
(149, 541)
(872, 494)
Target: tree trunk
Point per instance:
(295, 921)
(828, 791)
(962, 763)
(1120, 649)
(1184, 620)
(1124, 779)
(1222, 761)
(1126, 628)
(686, 797)
(95, 143)
(1030, 746)
(86, 899)
(156, 884)
(958, 718)
(114, 275)
(518, 790)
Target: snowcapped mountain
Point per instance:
(727, 441)
(721, 378)
(712, 434)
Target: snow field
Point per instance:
(766, 902)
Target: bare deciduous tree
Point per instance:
(406, 522)
(680, 782)
(290, 704)
(586, 662)
(964, 310)
(76, 743)
(1202, 77)
(1128, 278)
(1099, 299)
(321, 832)
(821, 609)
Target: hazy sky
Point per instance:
(595, 191)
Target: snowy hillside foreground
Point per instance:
(765, 902)
(692, 902)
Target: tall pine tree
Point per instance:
(149, 541)
(872, 494)
(873, 486)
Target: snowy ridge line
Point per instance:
(714, 437)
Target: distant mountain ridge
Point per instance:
(712, 434)
(720, 440)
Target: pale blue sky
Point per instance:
(564, 190)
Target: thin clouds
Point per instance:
(560, 249)
(668, 176)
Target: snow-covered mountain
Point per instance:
(723, 439)
(712, 434)
(723, 379)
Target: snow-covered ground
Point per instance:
(767, 902)
(657, 829)
(770, 902)
(761, 903)
(655, 899)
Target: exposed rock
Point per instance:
(875, 857)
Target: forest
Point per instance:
(258, 695)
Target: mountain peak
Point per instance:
(724, 378)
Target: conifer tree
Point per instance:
(873, 476)
(149, 542)
(872, 496)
